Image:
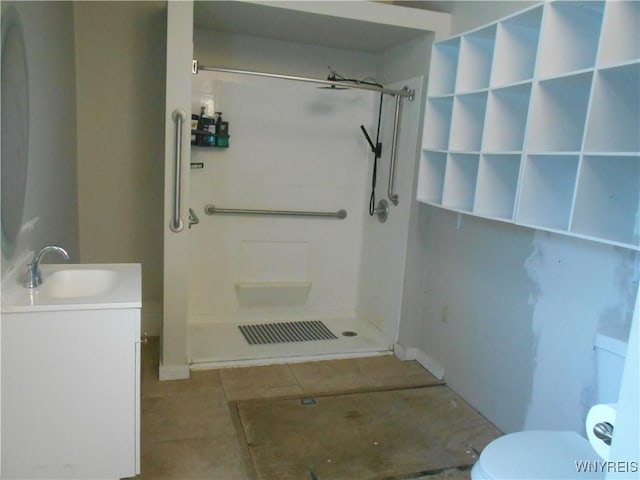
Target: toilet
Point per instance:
(538, 454)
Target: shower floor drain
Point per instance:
(286, 332)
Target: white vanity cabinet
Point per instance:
(535, 120)
(71, 390)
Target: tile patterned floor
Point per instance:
(187, 428)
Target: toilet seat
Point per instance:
(537, 455)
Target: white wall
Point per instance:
(266, 55)
(50, 211)
(509, 313)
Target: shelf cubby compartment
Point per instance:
(516, 45)
(546, 191)
(460, 181)
(620, 33)
(467, 121)
(497, 185)
(474, 63)
(559, 109)
(506, 118)
(614, 118)
(570, 37)
(431, 177)
(608, 199)
(444, 65)
(437, 123)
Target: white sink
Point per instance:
(78, 283)
(77, 287)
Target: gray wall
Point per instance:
(120, 56)
(94, 185)
(50, 202)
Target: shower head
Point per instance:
(334, 77)
(333, 87)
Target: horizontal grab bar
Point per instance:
(213, 210)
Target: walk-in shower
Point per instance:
(291, 147)
(282, 251)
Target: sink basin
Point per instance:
(78, 283)
(76, 287)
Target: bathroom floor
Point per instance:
(248, 422)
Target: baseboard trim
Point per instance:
(173, 372)
(422, 358)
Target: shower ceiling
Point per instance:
(359, 26)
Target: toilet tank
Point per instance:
(611, 349)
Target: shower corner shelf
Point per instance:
(537, 138)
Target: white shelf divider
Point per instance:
(431, 177)
(516, 45)
(437, 123)
(608, 198)
(506, 118)
(444, 64)
(620, 32)
(460, 181)
(474, 63)
(467, 121)
(614, 118)
(558, 114)
(570, 39)
(497, 186)
(546, 193)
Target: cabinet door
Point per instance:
(178, 98)
(68, 394)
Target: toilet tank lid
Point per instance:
(613, 338)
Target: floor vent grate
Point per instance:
(286, 332)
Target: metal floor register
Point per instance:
(285, 332)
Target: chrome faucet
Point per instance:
(34, 278)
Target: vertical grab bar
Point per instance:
(392, 165)
(176, 225)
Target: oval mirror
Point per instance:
(15, 129)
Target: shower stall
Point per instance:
(289, 241)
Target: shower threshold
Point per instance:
(214, 345)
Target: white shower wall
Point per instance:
(384, 247)
(293, 147)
